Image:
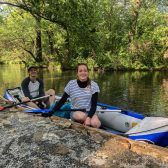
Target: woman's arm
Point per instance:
(61, 102)
(57, 106)
(93, 105)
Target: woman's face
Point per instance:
(82, 73)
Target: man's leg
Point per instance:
(52, 98)
(31, 104)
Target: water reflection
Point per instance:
(145, 92)
(140, 91)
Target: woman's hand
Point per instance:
(87, 121)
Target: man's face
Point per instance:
(33, 72)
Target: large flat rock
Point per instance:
(29, 140)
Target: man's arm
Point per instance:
(25, 89)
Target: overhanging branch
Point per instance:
(34, 14)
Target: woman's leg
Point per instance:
(79, 116)
(95, 122)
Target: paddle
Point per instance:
(108, 110)
(49, 110)
(16, 104)
(69, 110)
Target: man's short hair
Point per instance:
(30, 67)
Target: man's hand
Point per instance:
(25, 99)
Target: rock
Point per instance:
(29, 140)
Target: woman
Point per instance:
(83, 93)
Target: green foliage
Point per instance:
(148, 46)
(107, 34)
(1, 19)
(89, 61)
(17, 36)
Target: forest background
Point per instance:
(106, 34)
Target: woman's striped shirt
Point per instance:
(81, 97)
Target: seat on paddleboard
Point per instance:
(14, 94)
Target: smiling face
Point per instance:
(82, 73)
(33, 73)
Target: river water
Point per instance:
(143, 92)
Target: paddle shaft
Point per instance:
(84, 110)
(50, 111)
(108, 110)
(67, 110)
(16, 104)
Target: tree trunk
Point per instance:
(50, 41)
(135, 15)
(39, 57)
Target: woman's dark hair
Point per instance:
(80, 65)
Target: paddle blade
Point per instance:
(37, 111)
(2, 108)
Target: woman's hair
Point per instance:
(80, 65)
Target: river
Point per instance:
(143, 92)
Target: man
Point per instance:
(33, 87)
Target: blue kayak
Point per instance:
(135, 126)
(127, 123)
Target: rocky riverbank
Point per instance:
(31, 141)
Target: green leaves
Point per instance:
(110, 33)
